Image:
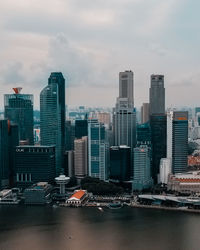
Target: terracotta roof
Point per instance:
(78, 195)
(187, 180)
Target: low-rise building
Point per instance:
(185, 183)
(39, 193)
(77, 198)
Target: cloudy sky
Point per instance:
(90, 41)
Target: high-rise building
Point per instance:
(157, 95)
(143, 134)
(81, 128)
(19, 110)
(4, 156)
(69, 135)
(120, 163)
(158, 124)
(97, 150)
(169, 133)
(80, 157)
(145, 113)
(165, 170)
(142, 168)
(34, 164)
(69, 163)
(179, 141)
(124, 115)
(52, 117)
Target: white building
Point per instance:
(165, 169)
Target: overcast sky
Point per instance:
(90, 41)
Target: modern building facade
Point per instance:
(81, 128)
(97, 160)
(4, 154)
(69, 135)
(143, 134)
(34, 164)
(124, 115)
(120, 163)
(145, 113)
(157, 95)
(180, 142)
(165, 170)
(19, 110)
(52, 117)
(142, 168)
(158, 125)
(81, 157)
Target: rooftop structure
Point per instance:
(62, 180)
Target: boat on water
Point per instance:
(115, 205)
(100, 209)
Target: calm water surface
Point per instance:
(35, 228)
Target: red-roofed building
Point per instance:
(77, 198)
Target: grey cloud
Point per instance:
(12, 73)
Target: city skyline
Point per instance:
(84, 39)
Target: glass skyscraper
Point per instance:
(52, 116)
(19, 110)
(97, 150)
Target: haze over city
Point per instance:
(91, 41)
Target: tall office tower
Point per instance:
(80, 158)
(169, 133)
(4, 156)
(69, 135)
(157, 95)
(120, 163)
(197, 110)
(52, 116)
(97, 150)
(142, 168)
(19, 110)
(180, 141)
(158, 124)
(145, 113)
(69, 163)
(143, 134)
(34, 164)
(124, 115)
(13, 141)
(81, 128)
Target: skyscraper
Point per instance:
(97, 155)
(80, 157)
(52, 116)
(145, 113)
(120, 163)
(179, 141)
(81, 128)
(157, 95)
(4, 156)
(142, 168)
(19, 110)
(158, 125)
(124, 115)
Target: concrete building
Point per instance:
(19, 110)
(157, 95)
(188, 182)
(105, 118)
(52, 116)
(81, 157)
(145, 113)
(165, 170)
(34, 164)
(77, 198)
(69, 163)
(142, 168)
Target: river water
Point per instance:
(35, 228)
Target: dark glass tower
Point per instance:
(52, 116)
(81, 128)
(179, 141)
(4, 156)
(19, 110)
(157, 95)
(158, 125)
